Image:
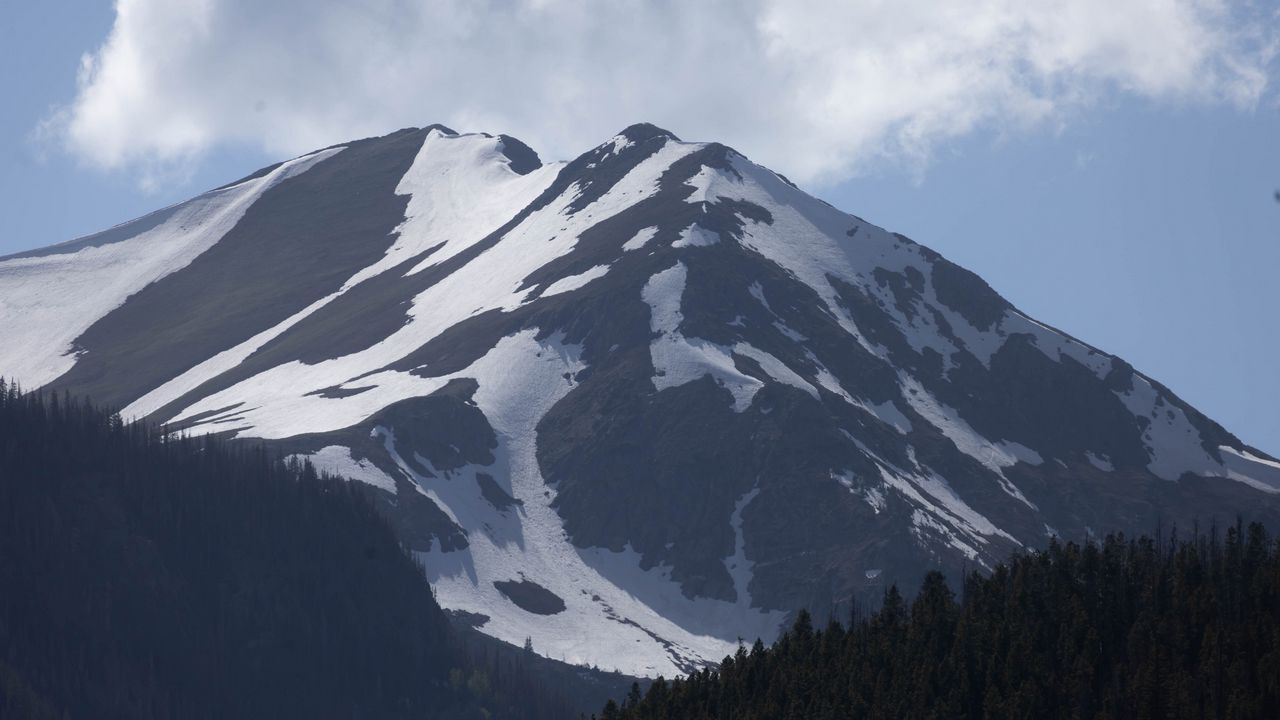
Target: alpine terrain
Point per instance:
(632, 407)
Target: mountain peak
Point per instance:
(523, 159)
(444, 129)
(640, 132)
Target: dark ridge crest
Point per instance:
(641, 132)
(522, 159)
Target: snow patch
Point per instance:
(996, 456)
(738, 565)
(1099, 461)
(663, 293)
(922, 522)
(938, 506)
(1056, 345)
(696, 236)
(617, 144)
(1250, 469)
(757, 291)
(337, 460)
(1175, 445)
(775, 368)
(889, 414)
(573, 282)
(461, 188)
(678, 360)
(788, 332)
(871, 495)
(1172, 442)
(875, 499)
(886, 412)
(640, 239)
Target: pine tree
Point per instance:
(1149, 628)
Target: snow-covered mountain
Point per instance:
(633, 407)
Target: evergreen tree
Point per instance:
(1148, 628)
(149, 576)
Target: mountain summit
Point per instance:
(632, 407)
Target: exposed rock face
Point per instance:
(633, 407)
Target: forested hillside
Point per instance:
(142, 577)
(1127, 628)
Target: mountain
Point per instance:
(631, 407)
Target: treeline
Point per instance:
(1145, 629)
(143, 576)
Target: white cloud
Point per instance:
(814, 88)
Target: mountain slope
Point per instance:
(632, 407)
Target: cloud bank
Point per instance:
(817, 89)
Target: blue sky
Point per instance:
(1135, 211)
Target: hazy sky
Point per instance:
(1107, 165)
